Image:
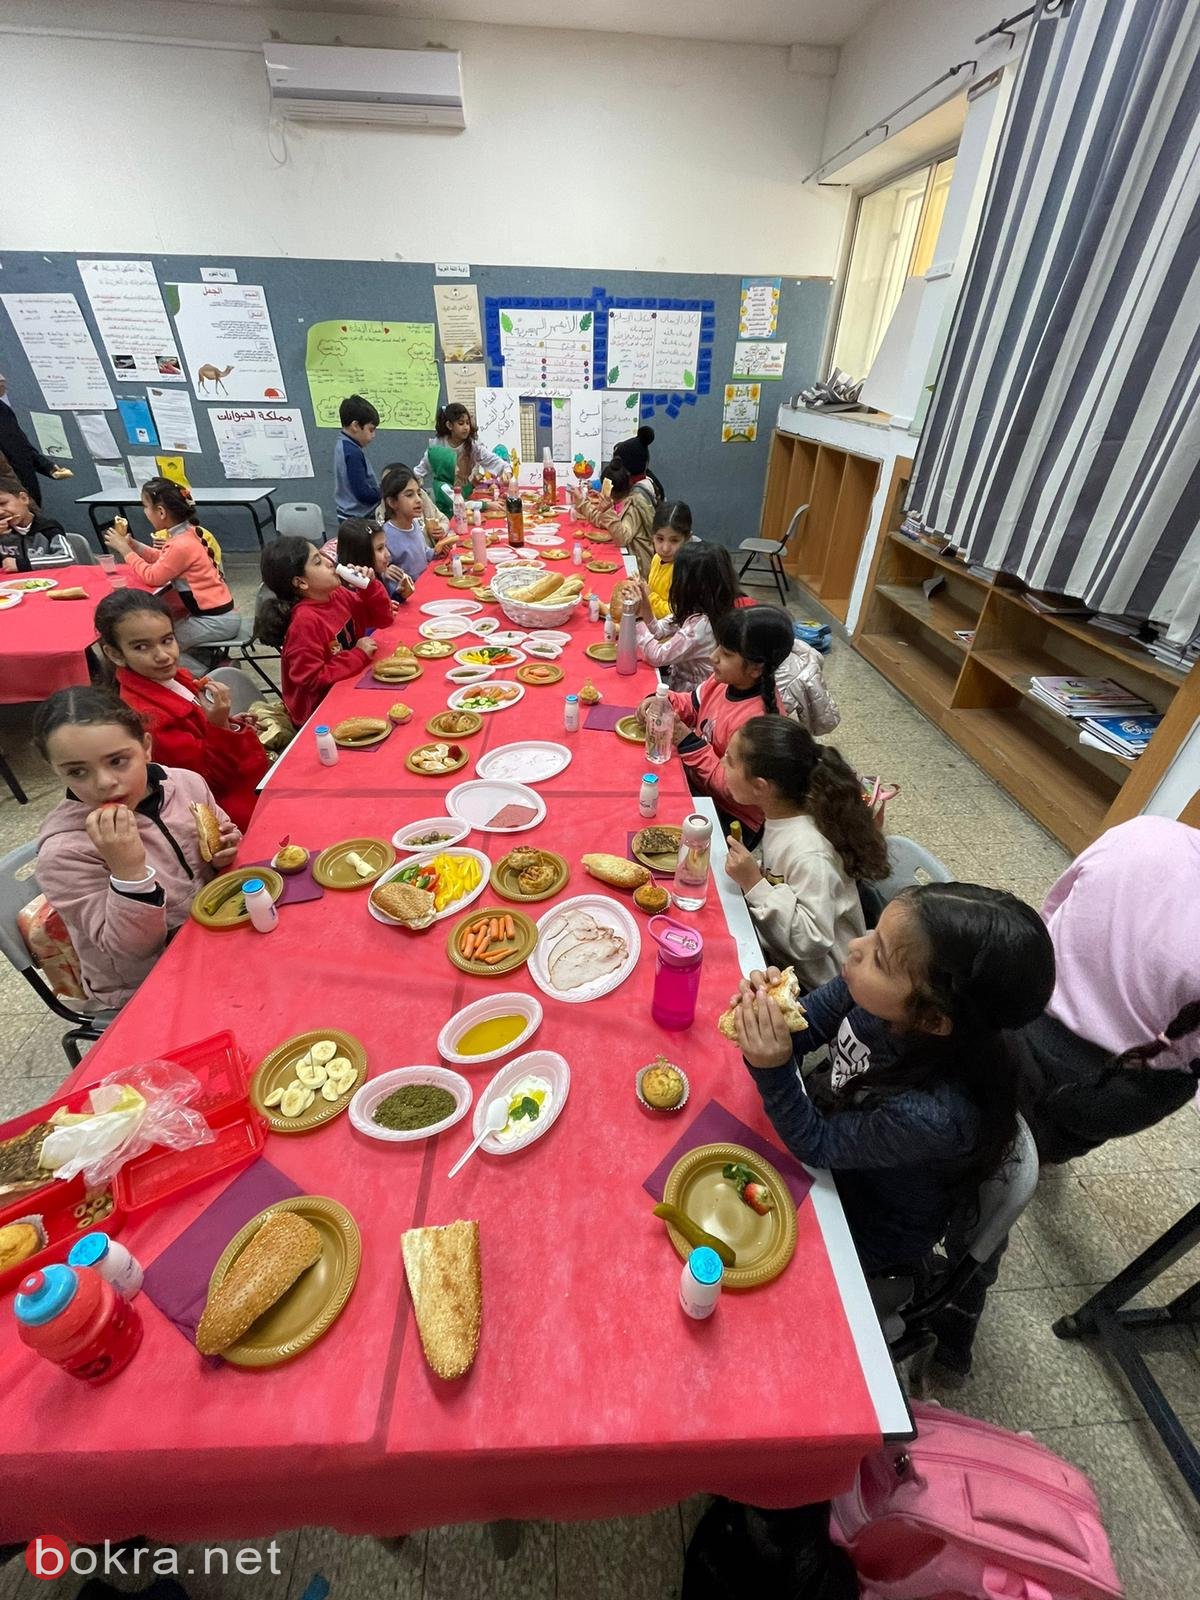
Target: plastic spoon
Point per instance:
(497, 1116)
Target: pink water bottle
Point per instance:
(74, 1318)
(676, 972)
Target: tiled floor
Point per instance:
(1085, 1222)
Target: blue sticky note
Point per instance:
(691, 305)
(660, 399)
(708, 305)
(138, 423)
(689, 399)
(598, 291)
(707, 325)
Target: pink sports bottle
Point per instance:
(676, 972)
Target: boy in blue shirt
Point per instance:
(355, 490)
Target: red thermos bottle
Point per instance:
(74, 1318)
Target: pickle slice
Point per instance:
(695, 1234)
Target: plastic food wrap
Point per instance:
(131, 1110)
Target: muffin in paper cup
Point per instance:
(662, 1111)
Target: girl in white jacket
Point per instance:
(817, 840)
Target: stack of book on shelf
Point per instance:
(1122, 736)
(1088, 697)
(1180, 656)
(1056, 605)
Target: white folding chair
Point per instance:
(18, 886)
(300, 519)
(909, 864)
(81, 549)
(774, 550)
(243, 691)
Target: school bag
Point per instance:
(969, 1510)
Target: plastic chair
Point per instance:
(243, 691)
(1002, 1198)
(774, 550)
(300, 519)
(81, 549)
(910, 864)
(17, 888)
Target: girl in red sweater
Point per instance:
(752, 644)
(316, 621)
(187, 719)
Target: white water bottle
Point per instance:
(458, 519)
(259, 905)
(350, 575)
(577, 554)
(456, 566)
(327, 750)
(660, 726)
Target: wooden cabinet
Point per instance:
(838, 488)
(965, 655)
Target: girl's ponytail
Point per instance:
(767, 681)
(1187, 1021)
(283, 561)
(441, 424)
(836, 805)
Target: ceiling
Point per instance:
(780, 22)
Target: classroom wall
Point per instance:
(902, 46)
(581, 149)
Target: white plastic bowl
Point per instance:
(375, 1090)
(485, 625)
(495, 1005)
(551, 636)
(539, 1064)
(454, 826)
(462, 675)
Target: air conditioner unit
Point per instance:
(329, 83)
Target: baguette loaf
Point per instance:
(446, 1284)
(359, 728)
(285, 1246)
(622, 874)
(73, 593)
(533, 592)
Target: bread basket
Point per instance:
(530, 615)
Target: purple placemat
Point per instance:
(653, 871)
(714, 1125)
(298, 886)
(605, 718)
(178, 1281)
(368, 681)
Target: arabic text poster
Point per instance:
(175, 420)
(462, 380)
(546, 352)
(228, 342)
(619, 418)
(51, 435)
(587, 433)
(60, 350)
(391, 364)
(652, 349)
(498, 419)
(134, 328)
(266, 443)
(765, 361)
(759, 315)
(459, 333)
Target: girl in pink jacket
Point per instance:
(119, 858)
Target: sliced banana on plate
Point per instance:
(330, 1089)
(323, 1051)
(296, 1100)
(273, 1099)
(312, 1075)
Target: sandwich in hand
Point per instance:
(446, 1284)
(786, 995)
(285, 1246)
(208, 830)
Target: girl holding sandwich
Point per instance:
(122, 855)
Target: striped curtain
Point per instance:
(1063, 442)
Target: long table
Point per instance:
(256, 498)
(592, 1394)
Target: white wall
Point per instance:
(902, 46)
(581, 149)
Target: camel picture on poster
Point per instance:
(210, 374)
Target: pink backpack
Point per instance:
(968, 1510)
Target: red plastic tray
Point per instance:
(55, 1206)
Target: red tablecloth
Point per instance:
(592, 1394)
(43, 642)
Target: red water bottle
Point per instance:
(74, 1318)
(676, 972)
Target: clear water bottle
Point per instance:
(660, 727)
(690, 889)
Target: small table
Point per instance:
(44, 643)
(254, 497)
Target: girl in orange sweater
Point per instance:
(187, 557)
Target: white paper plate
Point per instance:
(535, 1064)
(530, 761)
(445, 628)
(375, 1090)
(480, 799)
(456, 699)
(7, 600)
(20, 585)
(609, 913)
(492, 1005)
(498, 635)
(461, 904)
(552, 636)
(544, 538)
(454, 826)
(448, 608)
(498, 666)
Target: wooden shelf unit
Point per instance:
(978, 691)
(838, 487)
